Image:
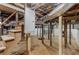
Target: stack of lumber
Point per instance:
(7, 37)
(2, 45)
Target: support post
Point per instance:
(16, 18)
(70, 33)
(42, 33)
(73, 26)
(65, 33)
(60, 35)
(50, 33)
(37, 30)
(1, 26)
(22, 32)
(27, 42)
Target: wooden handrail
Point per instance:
(8, 17)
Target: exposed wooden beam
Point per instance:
(67, 18)
(8, 17)
(72, 12)
(38, 5)
(37, 13)
(19, 4)
(71, 17)
(13, 7)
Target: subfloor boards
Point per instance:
(42, 49)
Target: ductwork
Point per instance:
(59, 10)
(13, 7)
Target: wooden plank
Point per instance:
(72, 12)
(7, 37)
(71, 17)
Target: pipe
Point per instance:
(13, 7)
(59, 10)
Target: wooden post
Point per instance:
(65, 33)
(50, 33)
(1, 26)
(42, 34)
(40, 31)
(16, 18)
(37, 30)
(60, 35)
(27, 42)
(70, 32)
(22, 32)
